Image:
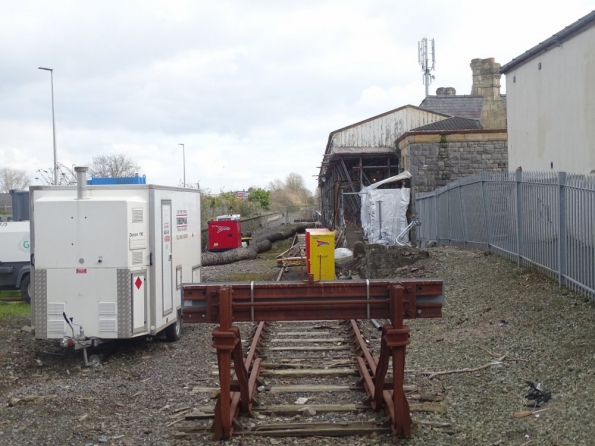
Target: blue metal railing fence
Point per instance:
(544, 220)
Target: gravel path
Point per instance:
(143, 388)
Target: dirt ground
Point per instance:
(503, 326)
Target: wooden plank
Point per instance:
(309, 372)
(338, 424)
(207, 412)
(312, 348)
(296, 409)
(289, 409)
(307, 340)
(200, 415)
(202, 389)
(312, 388)
(299, 364)
(317, 429)
(321, 325)
(347, 356)
(302, 333)
(331, 430)
(285, 373)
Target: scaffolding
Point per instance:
(341, 178)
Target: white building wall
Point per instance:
(551, 111)
(383, 131)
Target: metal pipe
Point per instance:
(400, 240)
(376, 324)
(81, 182)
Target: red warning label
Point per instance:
(81, 270)
(321, 243)
(138, 283)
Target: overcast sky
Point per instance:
(252, 88)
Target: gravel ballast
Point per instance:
(509, 324)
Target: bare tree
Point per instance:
(295, 183)
(111, 166)
(13, 179)
(66, 175)
(276, 185)
(291, 192)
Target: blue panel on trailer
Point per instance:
(94, 181)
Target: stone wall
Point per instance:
(436, 160)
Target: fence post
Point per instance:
(448, 213)
(519, 214)
(562, 229)
(486, 209)
(436, 216)
(464, 212)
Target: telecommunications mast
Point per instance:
(424, 55)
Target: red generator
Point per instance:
(225, 233)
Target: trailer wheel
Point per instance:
(173, 332)
(94, 360)
(26, 288)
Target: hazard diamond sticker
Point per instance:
(138, 283)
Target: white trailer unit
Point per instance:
(109, 261)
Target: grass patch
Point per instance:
(10, 295)
(281, 246)
(277, 248)
(14, 309)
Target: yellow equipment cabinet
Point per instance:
(321, 255)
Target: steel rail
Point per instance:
(394, 300)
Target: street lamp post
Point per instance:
(184, 162)
(51, 70)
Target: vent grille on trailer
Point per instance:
(107, 325)
(137, 215)
(137, 257)
(56, 327)
(107, 308)
(55, 309)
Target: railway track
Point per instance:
(307, 375)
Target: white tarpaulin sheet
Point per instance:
(383, 211)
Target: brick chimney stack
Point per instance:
(476, 68)
(493, 115)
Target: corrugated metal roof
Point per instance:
(454, 123)
(463, 106)
(556, 40)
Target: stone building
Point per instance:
(473, 139)
(448, 136)
(362, 154)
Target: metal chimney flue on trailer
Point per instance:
(81, 182)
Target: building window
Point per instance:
(514, 79)
(539, 66)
